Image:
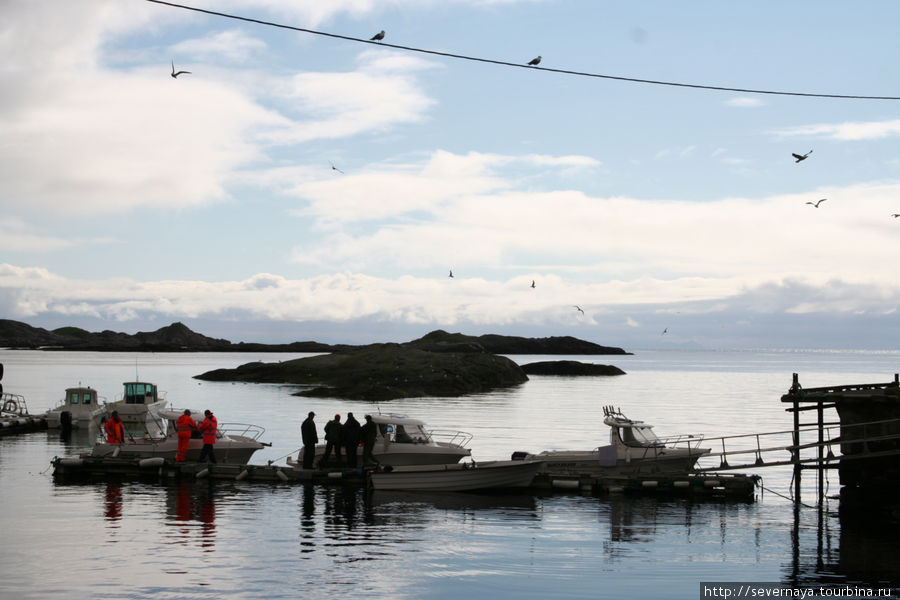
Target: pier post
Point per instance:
(795, 392)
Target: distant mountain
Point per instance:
(177, 337)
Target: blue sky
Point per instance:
(131, 200)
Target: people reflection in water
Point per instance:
(113, 504)
(196, 504)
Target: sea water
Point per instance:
(224, 540)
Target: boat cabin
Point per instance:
(140, 393)
(624, 431)
(81, 396)
(401, 430)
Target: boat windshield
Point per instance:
(639, 436)
(403, 434)
(140, 393)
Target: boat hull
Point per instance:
(610, 461)
(494, 475)
(400, 455)
(236, 450)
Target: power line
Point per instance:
(523, 66)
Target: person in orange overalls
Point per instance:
(115, 429)
(185, 426)
(209, 428)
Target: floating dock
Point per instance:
(10, 425)
(698, 486)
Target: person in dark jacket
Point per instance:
(369, 432)
(332, 440)
(310, 439)
(350, 436)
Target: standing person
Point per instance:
(209, 427)
(350, 435)
(185, 426)
(115, 429)
(332, 440)
(369, 431)
(310, 439)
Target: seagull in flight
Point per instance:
(378, 36)
(175, 75)
(535, 61)
(532, 283)
(800, 157)
(817, 203)
(451, 273)
(895, 215)
(578, 308)
(334, 168)
(665, 331)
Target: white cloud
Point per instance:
(849, 131)
(234, 44)
(745, 102)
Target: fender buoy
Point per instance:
(156, 461)
(281, 475)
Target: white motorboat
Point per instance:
(138, 398)
(81, 409)
(235, 442)
(402, 441)
(459, 477)
(633, 449)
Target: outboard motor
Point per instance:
(519, 455)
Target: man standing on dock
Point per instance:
(209, 427)
(310, 439)
(350, 438)
(369, 432)
(332, 440)
(185, 426)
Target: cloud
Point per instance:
(234, 44)
(850, 131)
(745, 102)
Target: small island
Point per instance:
(570, 367)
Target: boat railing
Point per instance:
(248, 430)
(691, 441)
(455, 438)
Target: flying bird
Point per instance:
(895, 215)
(334, 168)
(451, 273)
(535, 61)
(176, 74)
(378, 36)
(532, 283)
(665, 331)
(578, 308)
(800, 157)
(817, 203)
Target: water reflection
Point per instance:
(113, 505)
(191, 508)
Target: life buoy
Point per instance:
(11, 406)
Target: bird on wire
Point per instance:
(578, 308)
(334, 168)
(176, 74)
(800, 157)
(378, 36)
(817, 203)
(534, 61)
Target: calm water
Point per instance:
(250, 540)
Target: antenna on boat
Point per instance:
(136, 376)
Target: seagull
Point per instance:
(578, 308)
(816, 204)
(378, 36)
(895, 215)
(532, 283)
(175, 75)
(800, 157)
(334, 168)
(665, 331)
(535, 61)
(451, 273)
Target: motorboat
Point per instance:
(457, 477)
(403, 441)
(138, 398)
(81, 409)
(633, 449)
(235, 442)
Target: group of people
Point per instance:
(186, 428)
(347, 436)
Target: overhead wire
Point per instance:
(522, 66)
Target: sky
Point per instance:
(299, 186)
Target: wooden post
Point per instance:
(795, 389)
(820, 462)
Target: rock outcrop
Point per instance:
(570, 367)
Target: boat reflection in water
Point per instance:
(191, 508)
